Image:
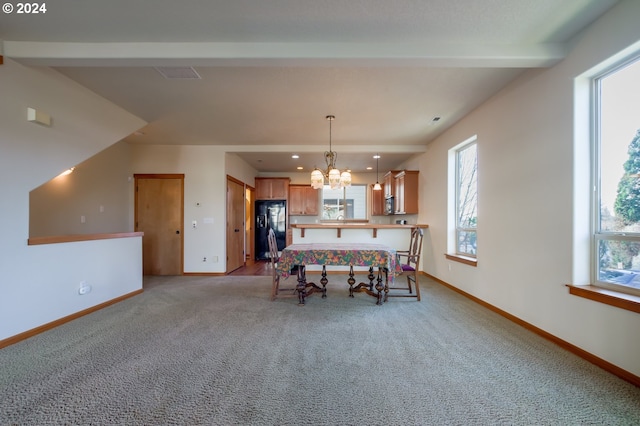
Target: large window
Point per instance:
(465, 181)
(617, 179)
(344, 203)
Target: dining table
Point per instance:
(373, 256)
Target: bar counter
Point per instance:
(358, 225)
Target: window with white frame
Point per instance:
(616, 247)
(465, 214)
(344, 203)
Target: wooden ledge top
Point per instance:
(355, 226)
(81, 237)
(340, 226)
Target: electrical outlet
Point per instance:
(194, 224)
(204, 259)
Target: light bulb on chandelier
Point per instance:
(332, 174)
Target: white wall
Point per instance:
(39, 283)
(98, 190)
(240, 169)
(526, 239)
(205, 183)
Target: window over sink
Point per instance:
(344, 203)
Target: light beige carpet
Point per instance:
(216, 351)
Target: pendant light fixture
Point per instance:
(332, 174)
(377, 186)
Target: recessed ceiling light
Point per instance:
(295, 156)
(376, 156)
(300, 168)
(369, 168)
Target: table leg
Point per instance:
(351, 281)
(302, 284)
(379, 287)
(386, 284)
(371, 277)
(324, 281)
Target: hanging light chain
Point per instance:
(332, 173)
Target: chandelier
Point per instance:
(332, 174)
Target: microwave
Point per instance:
(388, 205)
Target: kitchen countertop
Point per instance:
(357, 225)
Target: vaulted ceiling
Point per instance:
(263, 74)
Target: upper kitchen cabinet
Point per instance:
(377, 201)
(389, 184)
(303, 200)
(272, 188)
(406, 192)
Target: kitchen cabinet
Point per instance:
(303, 200)
(377, 201)
(272, 188)
(406, 192)
(389, 184)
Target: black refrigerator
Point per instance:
(270, 214)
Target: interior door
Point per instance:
(159, 210)
(235, 224)
(249, 206)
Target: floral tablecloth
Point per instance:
(344, 254)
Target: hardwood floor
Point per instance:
(254, 267)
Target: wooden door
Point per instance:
(249, 214)
(235, 224)
(158, 213)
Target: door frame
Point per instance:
(228, 233)
(180, 176)
(250, 206)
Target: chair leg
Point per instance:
(409, 284)
(417, 287)
(274, 288)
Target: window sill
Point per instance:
(471, 261)
(609, 297)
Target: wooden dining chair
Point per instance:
(275, 285)
(409, 260)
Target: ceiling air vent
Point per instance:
(178, 73)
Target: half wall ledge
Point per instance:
(81, 237)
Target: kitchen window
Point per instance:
(344, 203)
